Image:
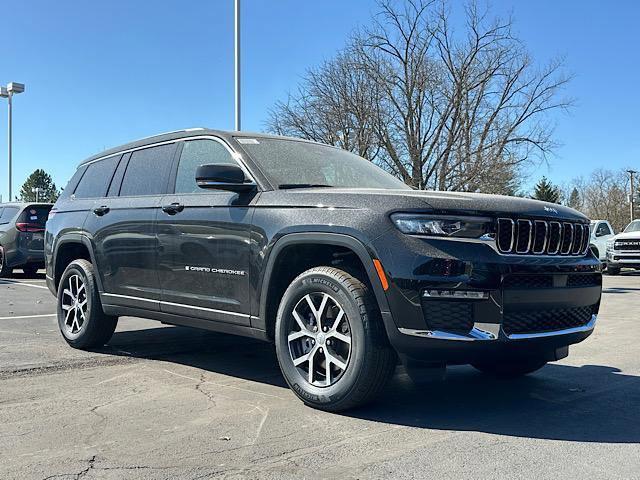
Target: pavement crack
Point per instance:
(199, 388)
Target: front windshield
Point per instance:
(633, 227)
(298, 164)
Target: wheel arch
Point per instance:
(351, 244)
(71, 247)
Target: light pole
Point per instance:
(12, 89)
(236, 44)
(37, 191)
(631, 197)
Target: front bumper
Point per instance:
(623, 259)
(530, 305)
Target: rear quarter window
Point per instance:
(96, 179)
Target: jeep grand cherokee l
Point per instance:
(22, 237)
(341, 265)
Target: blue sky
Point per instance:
(99, 74)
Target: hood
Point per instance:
(627, 236)
(437, 202)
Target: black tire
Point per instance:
(371, 359)
(30, 269)
(5, 270)
(96, 328)
(612, 270)
(510, 368)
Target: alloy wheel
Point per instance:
(74, 305)
(319, 339)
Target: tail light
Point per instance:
(29, 227)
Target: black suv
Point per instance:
(337, 262)
(22, 237)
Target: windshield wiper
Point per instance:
(287, 186)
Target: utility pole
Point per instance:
(236, 43)
(8, 92)
(632, 193)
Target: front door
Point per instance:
(204, 240)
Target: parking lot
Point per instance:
(170, 402)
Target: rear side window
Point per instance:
(8, 213)
(35, 215)
(196, 153)
(95, 181)
(148, 171)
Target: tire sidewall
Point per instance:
(77, 268)
(318, 282)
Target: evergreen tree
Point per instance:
(574, 200)
(42, 180)
(547, 191)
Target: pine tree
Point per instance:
(546, 191)
(42, 180)
(574, 200)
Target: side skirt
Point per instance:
(184, 321)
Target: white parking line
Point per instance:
(29, 316)
(5, 281)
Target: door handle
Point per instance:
(173, 208)
(100, 211)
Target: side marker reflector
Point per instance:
(381, 275)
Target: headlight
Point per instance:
(442, 226)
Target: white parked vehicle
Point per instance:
(623, 251)
(601, 234)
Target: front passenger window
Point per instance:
(194, 154)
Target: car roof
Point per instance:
(178, 134)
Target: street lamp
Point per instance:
(37, 191)
(13, 88)
(631, 198)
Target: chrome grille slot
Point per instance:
(522, 236)
(567, 238)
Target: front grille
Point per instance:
(546, 320)
(455, 317)
(541, 237)
(627, 245)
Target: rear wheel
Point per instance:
(509, 368)
(330, 340)
(5, 270)
(81, 320)
(30, 269)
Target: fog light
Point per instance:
(462, 294)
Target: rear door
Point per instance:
(122, 226)
(204, 238)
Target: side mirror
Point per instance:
(223, 176)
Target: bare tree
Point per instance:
(604, 196)
(438, 108)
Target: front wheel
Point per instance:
(81, 320)
(509, 368)
(612, 270)
(330, 340)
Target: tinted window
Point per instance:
(35, 215)
(148, 171)
(8, 213)
(95, 181)
(73, 183)
(603, 229)
(194, 154)
(114, 188)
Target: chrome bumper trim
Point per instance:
(491, 331)
(568, 331)
(480, 331)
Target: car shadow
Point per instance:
(590, 403)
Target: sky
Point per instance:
(100, 74)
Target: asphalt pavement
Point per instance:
(163, 402)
